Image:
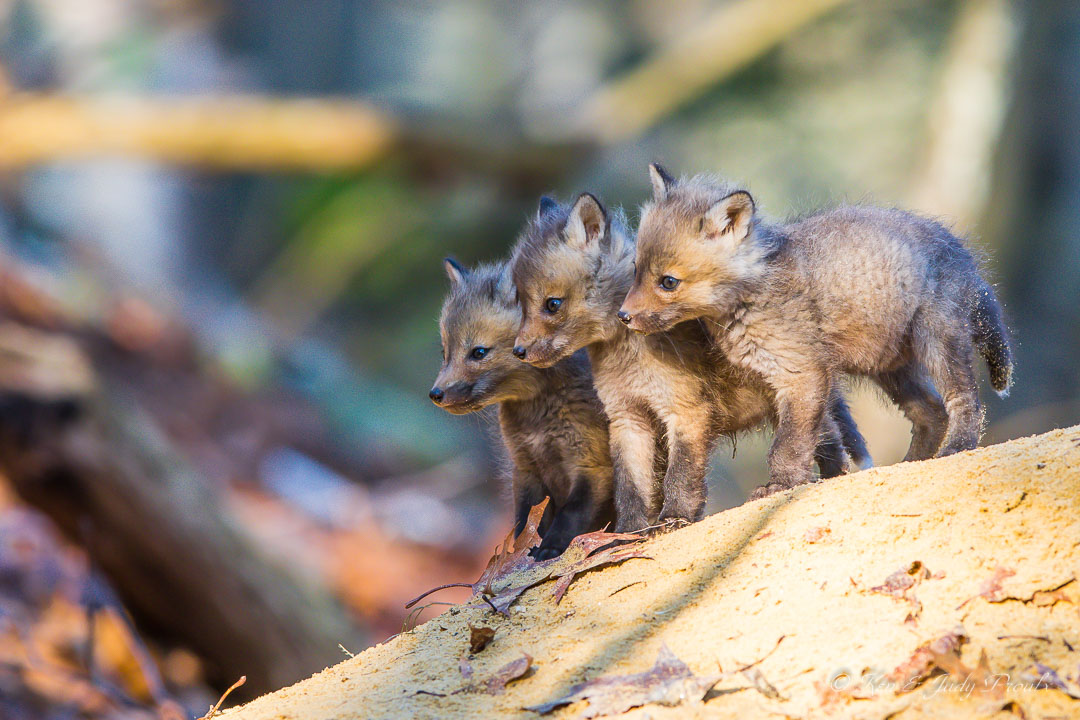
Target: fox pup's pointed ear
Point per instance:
(547, 204)
(588, 221)
(454, 271)
(731, 215)
(504, 288)
(661, 181)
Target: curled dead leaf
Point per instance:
(496, 684)
(927, 658)
(991, 588)
(479, 637)
(669, 682)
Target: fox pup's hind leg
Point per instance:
(576, 516)
(949, 357)
(830, 455)
(850, 436)
(910, 389)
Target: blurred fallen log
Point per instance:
(214, 132)
(99, 468)
(250, 132)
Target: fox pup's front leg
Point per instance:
(574, 517)
(688, 457)
(801, 402)
(528, 493)
(633, 449)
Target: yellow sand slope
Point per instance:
(789, 583)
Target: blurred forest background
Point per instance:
(221, 227)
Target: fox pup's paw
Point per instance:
(666, 525)
(766, 490)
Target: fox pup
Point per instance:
(551, 420)
(869, 291)
(668, 396)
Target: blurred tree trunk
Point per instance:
(1033, 220)
(101, 470)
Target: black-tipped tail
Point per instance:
(992, 339)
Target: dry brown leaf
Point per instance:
(510, 557)
(1062, 593)
(926, 659)
(1043, 676)
(479, 637)
(991, 588)
(898, 583)
(496, 684)
(669, 682)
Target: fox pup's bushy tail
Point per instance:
(991, 337)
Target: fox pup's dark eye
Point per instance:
(669, 283)
(478, 353)
(552, 305)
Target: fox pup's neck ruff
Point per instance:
(756, 268)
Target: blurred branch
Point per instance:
(215, 132)
(966, 114)
(730, 38)
(258, 133)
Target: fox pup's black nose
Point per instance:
(624, 316)
(519, 352)
(436, 394)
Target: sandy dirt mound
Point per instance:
(946, 588)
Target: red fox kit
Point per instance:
(668, 396)
(552, 423)
(874, 292)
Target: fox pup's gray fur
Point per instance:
(668, 396)
(875, 292)
(552, 422)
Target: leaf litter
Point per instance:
(512, 569)
(669, 682)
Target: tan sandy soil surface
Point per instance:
(787, 582)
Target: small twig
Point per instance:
(420, 597)
(764, 657)
(1023, 637)
(639, 582)
(352, 655)
(214, 710)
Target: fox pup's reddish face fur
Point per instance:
(551, 420)
(558, 313)
(691, 259)
(478, 367)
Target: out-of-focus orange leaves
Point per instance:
(48, 634)
(373, 572)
